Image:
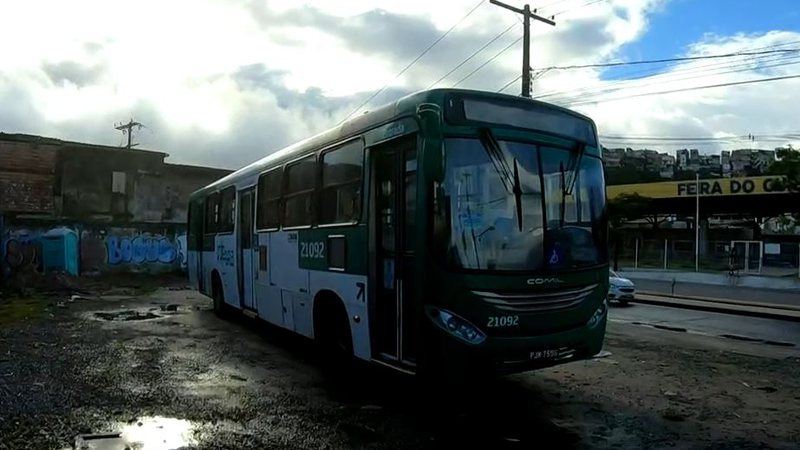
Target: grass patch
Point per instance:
(17, 309)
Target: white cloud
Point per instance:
(762, 109)
(224, 82)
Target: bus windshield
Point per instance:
(478, 215)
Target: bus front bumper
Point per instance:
(506, 355)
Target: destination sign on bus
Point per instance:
(531, 115)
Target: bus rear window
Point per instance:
(522, 114)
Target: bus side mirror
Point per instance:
(430, 116)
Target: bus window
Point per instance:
(212, 213)
(410, 197)
(268, 215)
(195, 220)
(299, 198)
(340, 196)
(227, 210)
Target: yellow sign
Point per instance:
(712, 187)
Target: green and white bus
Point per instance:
(449, 229)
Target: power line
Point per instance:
(601, 90)
(578, 7)
(424, 52)
(751, 49)
(469, 58)
(699, 138)
(610, 86)
(684, 144)
(552, 4)
(666, 77)
(489, 61)
(509, 84)
(696, 88)
(745, 68)
(656, 61)
(751, 133)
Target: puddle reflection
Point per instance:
(147, 433)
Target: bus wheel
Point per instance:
(218, 295)
(333, 334)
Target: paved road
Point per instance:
(723, 292)
(769, 331)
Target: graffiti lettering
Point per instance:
(180, 244)
(224, 256)
(22, 254)
(140, 250)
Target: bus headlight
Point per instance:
(456, 326)
(598, 314)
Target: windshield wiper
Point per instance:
(575, 166)
(510, 181)
(517, 194)
(567, 187)
(563, 205)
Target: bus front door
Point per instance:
(395, 312)
(246, 250)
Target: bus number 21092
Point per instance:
(314, 250)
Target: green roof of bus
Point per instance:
(352, 127)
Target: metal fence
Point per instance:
(744, 257)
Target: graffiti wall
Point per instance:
(98, 249)
(22, 252)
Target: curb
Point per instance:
(720, 307)
(721, 300)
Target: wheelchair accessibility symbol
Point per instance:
(554, 258)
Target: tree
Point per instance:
(788, 165)
(626, 207)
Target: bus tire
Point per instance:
(332, 330)
(218, 295)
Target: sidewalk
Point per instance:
(765, 310)
(751, 295)
(714, 279)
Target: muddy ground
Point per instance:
(160, 368)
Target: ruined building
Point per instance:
(85, 208)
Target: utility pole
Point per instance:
(127, 128)
(527, 15)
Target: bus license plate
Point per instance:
(544, 354)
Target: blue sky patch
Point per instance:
(683, 22)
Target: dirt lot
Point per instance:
(160, 368)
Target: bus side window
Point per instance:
(268, 214)
(299, 198)
(340, 195)
(212, 213)
(226, 216)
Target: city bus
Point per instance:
(451, 229)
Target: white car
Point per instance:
(620, 289)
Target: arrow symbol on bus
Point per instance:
(360, 295)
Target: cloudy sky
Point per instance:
(225, 82)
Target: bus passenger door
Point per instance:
(194, 244)
(246, 250)
(395, 311)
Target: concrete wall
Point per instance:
(71, 180)
(27, 177)
(86, 176)
(101, 249)
(751, 281)
(164, 197)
